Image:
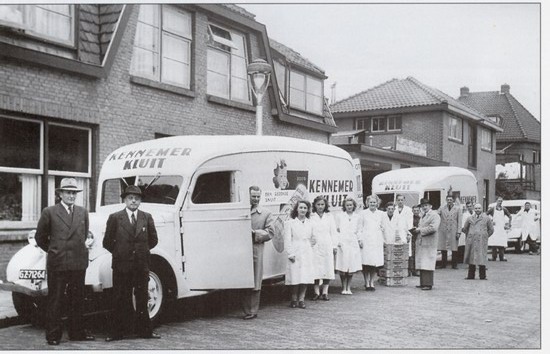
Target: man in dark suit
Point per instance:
(130, 235)
(61, 232)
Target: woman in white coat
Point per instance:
(299, 241)
(326, 238)
(371, 241)
(348, 254)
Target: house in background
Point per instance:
(78, 81)
(518, 144)
(405, 123)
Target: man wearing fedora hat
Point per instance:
(61, 232)
(426, 244)
(129, 236)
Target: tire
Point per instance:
(161, 290)
(30, 309)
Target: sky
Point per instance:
(445, 46)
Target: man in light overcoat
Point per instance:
(262, 231)
(61, 232)
(478, 228)
(449, 231)
(426, 244)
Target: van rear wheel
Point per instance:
(30, 308)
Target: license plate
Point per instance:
(33, 274)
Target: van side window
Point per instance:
(215, 187)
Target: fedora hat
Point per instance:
(131, 190)
(424, 201)
(68, 184)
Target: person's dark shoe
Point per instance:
(372, 288)
(152, 335)
(426, 288)
(250, 317)
(324, 297)
(315, 297)
(504, 260)
(301, 304)
(53, 342)
(483, 278)
(294, 304)
(469, 278)
(113, 338)
(419, 286)
(455, 267)
(492, 260)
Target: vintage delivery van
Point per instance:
(196, 188)
(432, 183)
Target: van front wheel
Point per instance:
(160, 290)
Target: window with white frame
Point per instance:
(394, 123)
(22, 167)
(162, 46)
(52, 22)
(455, 128)
(226, 64)
(378, 124)
(362, 123)
(306, 92)
(486, 139)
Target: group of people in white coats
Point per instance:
(318, 243)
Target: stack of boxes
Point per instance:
(396, 262)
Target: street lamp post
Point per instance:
(259, 71)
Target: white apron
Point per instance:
(499, 238)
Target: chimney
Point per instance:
(464, 91)
(505, 88)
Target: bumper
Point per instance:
(16, 288)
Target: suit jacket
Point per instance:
(130, 245)
(63, 237)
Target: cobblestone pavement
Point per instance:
(502, 312)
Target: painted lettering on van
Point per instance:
(399, 185)
(134, 154)
(143, 163)
(330, 186)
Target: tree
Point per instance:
(507, 189)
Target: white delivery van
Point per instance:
(432, 183)
(196, 188)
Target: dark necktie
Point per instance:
(71, 212)
(133, 220)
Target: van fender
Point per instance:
(99, 273)
(29, 257)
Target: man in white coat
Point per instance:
(449, 231)
(426, 244)
(499, 240)
(405, 212)
(529, 217)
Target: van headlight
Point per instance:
(31, 239)
(89, 239)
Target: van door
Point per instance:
(217, 240)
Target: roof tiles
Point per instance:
(518, 123)
(295, 58)
(398, 93)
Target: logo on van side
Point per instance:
(148, 158)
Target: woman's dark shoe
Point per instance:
(294, 304)
(301, 304)
(315, 297)
(324, 297)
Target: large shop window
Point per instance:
(306, 92)
(162, 47)
(226, 64)
(51, 22)
(22, 169)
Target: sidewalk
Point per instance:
(8, 315)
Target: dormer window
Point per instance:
(53, 23)
(495, 119)
(226, 64)
(306, 92)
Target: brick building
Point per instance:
(518, 145)
(405, 123)
(78, 81)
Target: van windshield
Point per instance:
(155, 189)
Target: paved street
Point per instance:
(502, 312)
